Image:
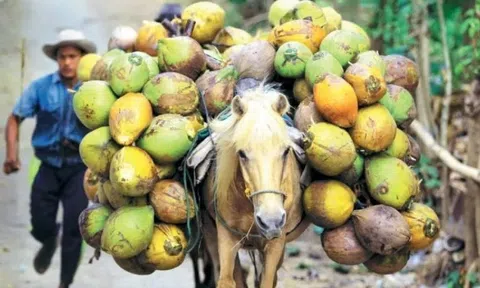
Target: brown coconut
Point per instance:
(401, 71)
(169, 201)
(306, 115)
(255, 60)
(342, 246)
(388, 264)
(381, 229)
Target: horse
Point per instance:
(252, 192)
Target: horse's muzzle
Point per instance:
(270, 224)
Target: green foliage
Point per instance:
(428, 173)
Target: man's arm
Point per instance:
(26, 106)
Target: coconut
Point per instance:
(168, 138)
(328, 203)
(390, 181)
(301, 90)
(300, 30)
(165, 171)
(128, 73)
(167, 249)
(381, 229)
(97, 149)
(129, 116)
(371, 59)
(230, 36)
(374, 129)
(367, 82)
(101, 69)
(132, 172)
(254, 60)
(304, 9)
(182, 55)
(291, 58)
(169, 200)
(388, 264)
(118, 200)
(101, 198)
(148, 35)
(217, 88)
(306, 115)
(342, 246)
(336, 101)
(172, 92)
(319, 65)
(128, 231)
(401, 71)
(424, 226)
(133, 266)
(196, 119)
(91, 223)
(209, 19)
(151, 63)
(123, 37)
(400, 104)
(278, 9)
(353, 174)
(231, 51)
(85, 66)
(334, 19)
(413, 153)
(215, 60)
(399, 146)
(350, 26)
(91, 182)
(92, 103)
(329, 149)
(344, 45)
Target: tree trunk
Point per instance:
(379, 23)
(472, 200)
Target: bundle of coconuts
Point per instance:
(146, 99)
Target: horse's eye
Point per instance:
(242, 155)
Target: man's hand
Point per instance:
(11, 165)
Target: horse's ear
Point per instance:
(238, 107)
(281, 105)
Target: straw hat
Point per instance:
(69, 37)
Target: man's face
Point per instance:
(68, 58)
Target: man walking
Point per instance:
(55, 140)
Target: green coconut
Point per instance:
(128, 231)
(97, 149)
(128, 73)
(132, 172)
(91, 223)
(344, 45)
(151, 63)
(371, 59)
(278, 9)
(101, 68)
(304, 9)
(350, 26)
(291, 58)
(400, 104)
(353, 174)
(117, 200)
(183, 55)
(168, 138)
(172, 92)
(320, 64)
(329, 148)
(218, 88)
(400, 145)
(92, 103)
(390, 181)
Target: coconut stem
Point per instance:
(189, 29)
(172, 29)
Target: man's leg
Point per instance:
(74, 202)
(43, 212)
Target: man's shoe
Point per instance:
(44, 255)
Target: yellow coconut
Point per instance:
(85, 66)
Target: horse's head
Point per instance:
(255, 144)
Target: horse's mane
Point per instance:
(260, 126)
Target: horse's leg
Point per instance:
(227, 248)
(239, 274)
(274, 250)
(208, 269)
(196, 274)
(211, 245)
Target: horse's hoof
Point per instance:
(226, 284)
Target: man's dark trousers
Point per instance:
(52, 185)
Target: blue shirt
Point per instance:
(47, 98)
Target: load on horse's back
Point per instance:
(252, 191)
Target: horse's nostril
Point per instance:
(262, 225)
(283, 220)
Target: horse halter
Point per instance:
(250, 195)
